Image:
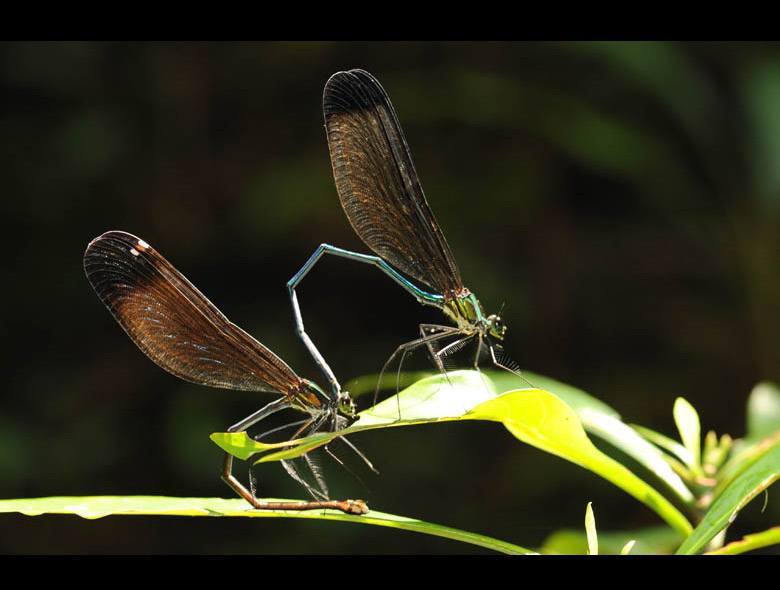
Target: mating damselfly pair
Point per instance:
(179, 329)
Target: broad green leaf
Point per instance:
(746, 486)
(361, 386)
(92, 507)
(687, 420)
(542, 420)
(502, 381)
(600, 419)
(534, 416)
(590, 530)
(576, 398)
(660, 540)
(436, 398)
(763, 411)
(750, 542)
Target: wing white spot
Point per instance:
(142, 245)
(133, 251)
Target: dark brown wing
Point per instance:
(174, 324)
(377, 182)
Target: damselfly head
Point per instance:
(311, 398)
(496, 326)
(346, 406)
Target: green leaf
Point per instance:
(660, 540)
(750, 542)
(624, 437)
(763, 411)
(746, 486)
(360, 386)
(92, 507)
(534, 416)
(668, 444)
(600, 419)
(576, 398)
(747, 454)
(590, 530)
(687, 420)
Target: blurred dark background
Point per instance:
(622, 199)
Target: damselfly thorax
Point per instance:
(465, 310)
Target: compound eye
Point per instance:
(346, 403)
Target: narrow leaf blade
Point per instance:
(590, 530)
(750, 543)
(93, 507)
(746, 486)
(687, 420)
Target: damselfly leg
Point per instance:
(404, 350)
(346, 506)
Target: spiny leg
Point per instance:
(296, 476)
(503, 366)
(359, 453)
(312, 465)
(428, 341)
(453, 347)
(310, 426)
(437, 355)
(346, 506)
(404, 347)
(294, 472)
(479, 350)
(457, 345)
(480, 344)
(260, 437)
(429, 330)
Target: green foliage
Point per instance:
(534, 416)
(660, 540)
(590, 531)
(102, 506)
(750, 542)
(747, 485)
(687, 421)
(713, 481)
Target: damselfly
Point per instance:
(178, 328)
(382, 197)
